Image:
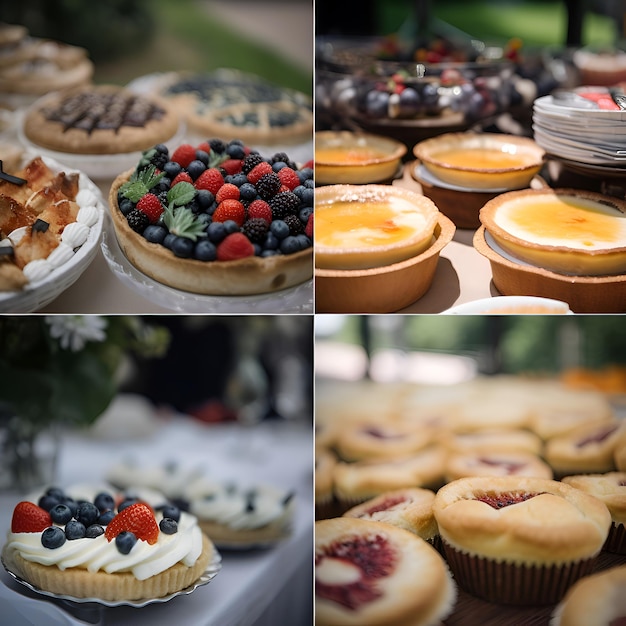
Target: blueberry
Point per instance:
(238, 179)
(126, 206)
(266, 253)
(376, 103)
(168, 240)
(289, 245)
(172, 169)
(303, 241)
(430, 95)
(61, 514)
(409, 102)
(52, 537)
(74, 530)
(279, 229)
(126, 503)
(278, 166)
(235, 151)
(164, 184)
(72, 504)
(48, 502)
(154, 233)
(305, 213)
(87, 513)
(195, 168)
(182, 247)
(125, 541)
(183, 505)
(202, 156)
(162, 148)
(55, 492)
(308, 196)
(104, 501)
(93, 531)
(168, 526)
(204, 219)
(231, 227)
(106, 517)
(205, 250)
(204, 198)
(216, 232)
(309, 182)
(271, 242)
(257, 249)
(247, 192)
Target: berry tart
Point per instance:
(105, 548)
(515, 540)
(373, 574)
(99, 120)
(231, 104)
(216, 219)
(231, 515)
(46, 215)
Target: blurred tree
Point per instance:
(107, 30)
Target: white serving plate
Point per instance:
(37, 294)
(499, 304)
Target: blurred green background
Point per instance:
(509, 344)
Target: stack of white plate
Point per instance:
(574, 129)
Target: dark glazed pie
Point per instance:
(99, 120)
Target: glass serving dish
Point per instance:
(406, 98)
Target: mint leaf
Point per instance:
(181, 193)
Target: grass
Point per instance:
(186, 37)
(535, 23)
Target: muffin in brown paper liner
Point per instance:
(616, 541)
(501, 582)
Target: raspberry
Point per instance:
(138, 519)
(204, 146)
(260, 208)
(254, 175)
(283, 188)
(227, 191)
(181, 177)
(210, 179)
(234, 246)
(308, 229)
(230, 210)
(151, 206)
(288, 178)
(231, 166)
(29, 518)
(309, 165)
(184, 155)
(268, 185)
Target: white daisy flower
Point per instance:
(74, 331)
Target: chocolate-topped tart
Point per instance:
(567, 231)
(104, 119)
(231, 104)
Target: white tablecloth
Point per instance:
(265, 587)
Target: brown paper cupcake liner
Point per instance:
(616, 541)
(437, 542)
(516, 584)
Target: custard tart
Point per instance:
(567, 231)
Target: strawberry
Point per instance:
(181, 177)
(138, 519)
(230, 210)
(204, 146)
(309, 165)
(288, 178)
(254, 175)
(210, 179)
(260, 208)
(151, 206)
(231, 166)
(29, 518)
(184, 154)
(308, 229)
(227, 191)
(234, 246)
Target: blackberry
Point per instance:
(282, 156)
(217, 145)
(250, 162)
(296, 227)
(283, 204)
(255, 229)
(138, 220)
(268, 185)
(160, 156)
